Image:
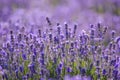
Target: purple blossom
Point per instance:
(30, 48)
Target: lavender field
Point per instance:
(59, 39)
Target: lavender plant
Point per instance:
(60, 54)
(34, 49)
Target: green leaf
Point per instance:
(26, 63)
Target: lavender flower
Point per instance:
(30, 49)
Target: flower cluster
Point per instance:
(60, 54)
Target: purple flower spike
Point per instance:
(104, 72)
(69, 69)
(58, 29)
(48, 21)
(32, 68)
(24, 56)
(21, 68)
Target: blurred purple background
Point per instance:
(15, 14)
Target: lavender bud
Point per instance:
(58, 30)
(12, 38)
(32, 68)
(106, 58)
(114, 46)
(42, 55)
(113, 34)
(24, 77)
(69, 69)
(11, 32)
(91, 26)
(42, 61)
(96, 47)
(5, 76)
(35, 53)
(63, 49)
(42, 47)
(33, 58)
(97, 63)
(31, 47)
(26, 38)
(1, 68)
(75, 28)
(30, 36)
(105, 30)
(19, 37)
(39, 32)
(42, 72)
(11, 49)
(116, 66)
(21, 68)
(22, 46)
(104, 72)
(55, 60)
(24, 56)
(56, 40)
(113, 62)
(60, 65)
(16, 73)
(115, 73)
(23, 29)
(118, 59)
(72, 60)
(92, 33)
(117, 39)
(50, 37)
(91, 65)
(27, 75)
(66, 31)
(99, 26)
(83, 71)
(48, 21)
(98, 76)
(72, 45)
(8, 45)
(110, 46)
(62, 37)
(58, 71)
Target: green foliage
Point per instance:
(74, 68)
(26, 63)
(103, 78)
(52, 69)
